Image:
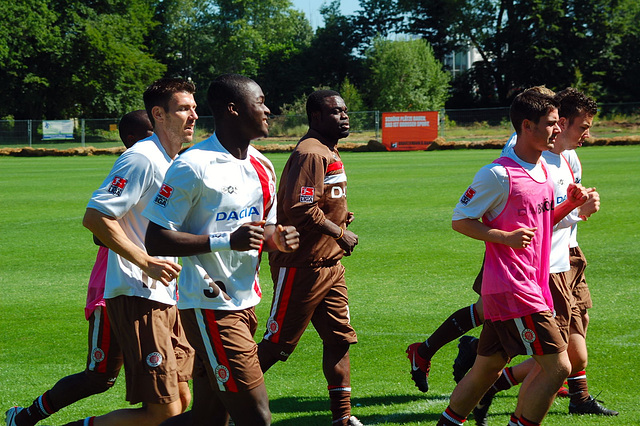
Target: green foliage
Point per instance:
(405, 76)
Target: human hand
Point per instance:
(520, 238)
(348, 241)
(162, 270)
(249, 236)
(591, 206)
(350, 217)
(286, 238)
(576, 194)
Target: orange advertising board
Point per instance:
(404, 131)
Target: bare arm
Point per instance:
(110, 233)
(473, 228)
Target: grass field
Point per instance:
(409, 272)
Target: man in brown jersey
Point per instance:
(309, 284)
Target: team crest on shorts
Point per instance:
(97, 355)
(154, 359)
(222, 373)
(273, 326)
(528, 335)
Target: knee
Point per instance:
(99, 382)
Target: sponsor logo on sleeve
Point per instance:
(117, 186)
(306, 194)
(163, 195)
(468, 195)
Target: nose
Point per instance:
(194, 114)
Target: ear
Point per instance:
(563, 123)
(232, 109)
(527, 125)
(158, 113)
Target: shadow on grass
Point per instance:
(311, 409)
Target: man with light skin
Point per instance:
(514, 198)
(140, 290)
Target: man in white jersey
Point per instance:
(217, 209)
(140, 290)
(514, 198)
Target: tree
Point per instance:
(405, 76)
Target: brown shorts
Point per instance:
(157, 355)
(578, 281)
(225, 347)
(303, 295)
(105, 356)
(568, 315)
(535, 334)
(477, 284)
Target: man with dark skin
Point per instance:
(309, 284)
(217, 209)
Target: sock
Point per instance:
(525, 422)
(450, 418)
(459, 323)
(39, 410)
(340, 400)
(578, 389)
(505, 381)
(513, 421)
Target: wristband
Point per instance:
(220, 241)
(339, 236)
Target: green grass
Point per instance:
(409, 272)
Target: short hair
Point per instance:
(159, 93)
(574, 103)
(225, 89)
(315, 101)
(133, 123)
(530, 105)
(542, 89)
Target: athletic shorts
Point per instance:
(568, 315)
(535, 334)
(157, 355)
(105, 356)
(578, 281)
(225, 347)
(303, 295)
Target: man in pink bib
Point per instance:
(510, 206)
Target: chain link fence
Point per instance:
(365, 125)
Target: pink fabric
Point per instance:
(95, 292)
(516, 281)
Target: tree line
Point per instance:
(94, 58)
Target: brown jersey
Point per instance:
(313, 187)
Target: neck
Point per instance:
(171, 147)
(237, 146)
(329, 143)
(526, 154)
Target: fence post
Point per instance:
(377, 120)
(82, 132)
(29, 131)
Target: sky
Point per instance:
(311, 9)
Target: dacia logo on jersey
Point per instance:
(163, 195)
(544, 206)
(117, 186)
(560, 200)
(233, 215)
(468, 195)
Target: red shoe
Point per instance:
(419, 367)
(563, 392)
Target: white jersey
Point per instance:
(489, 190)
(132, 183)
(562, 176)
(576, 167)
(508, 147)
(207, 190)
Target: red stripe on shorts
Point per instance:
(285, 298)
(536, 344)
(105, 340)
(218, 347)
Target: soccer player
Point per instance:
(460, 322)
(140, 290)
(576, 117)
(309, 285)
(217, 209)
(104, 358)
(514, 198)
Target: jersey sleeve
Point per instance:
(174, 199)
(305, 187)
(487, 193)
(128, 180)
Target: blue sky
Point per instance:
(311, 9)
